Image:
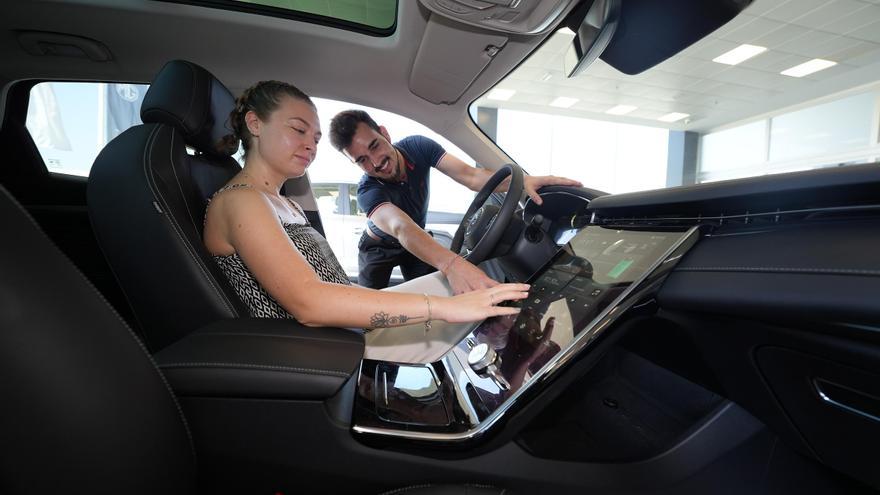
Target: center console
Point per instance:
(574, 301)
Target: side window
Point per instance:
(353, 204)
(449, 200)
(328, 198)
(70, 122)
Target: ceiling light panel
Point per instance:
(739, 54)
(808, 68)
(500, 94)
(563, 102)
(621, 110)
(673, 117)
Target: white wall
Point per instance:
(608, 156)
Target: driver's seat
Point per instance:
(147, 196)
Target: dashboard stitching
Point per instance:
(273, 335)
(256, 367)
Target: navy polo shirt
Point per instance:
(420, 154)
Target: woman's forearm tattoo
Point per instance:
(384, 320)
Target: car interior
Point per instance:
(710, 337)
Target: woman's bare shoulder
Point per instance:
(232, 210)
(235, 201)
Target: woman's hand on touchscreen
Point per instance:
(481, 304)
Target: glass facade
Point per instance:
(842, 131)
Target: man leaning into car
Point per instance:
(394, 192)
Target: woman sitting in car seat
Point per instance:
(283, 268)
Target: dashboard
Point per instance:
(563, 214)
(595, 277)
(768, 298)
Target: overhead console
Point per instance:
(507, 16)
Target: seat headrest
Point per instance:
(190, 98)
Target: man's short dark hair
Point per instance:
(344, 125)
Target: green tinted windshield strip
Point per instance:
(379, 14)
(374, 17)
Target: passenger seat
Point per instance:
(85, 410)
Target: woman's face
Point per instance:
(288, 140)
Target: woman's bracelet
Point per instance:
(449, 263)
(430, 316)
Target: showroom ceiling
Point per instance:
(713, 94)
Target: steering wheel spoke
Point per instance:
(483, 226)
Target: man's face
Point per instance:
(373, 153)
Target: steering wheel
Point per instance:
(483, 225)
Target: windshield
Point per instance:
(784, 86)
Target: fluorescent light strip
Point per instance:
(563, 102)
(674, 117)
(739, 54)
(620, 110)
(808, 68)
(501, 94)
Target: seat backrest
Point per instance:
(147, 197)
(84, 408)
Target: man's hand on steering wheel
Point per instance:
(463, 276)
(531, 184)
(484, 227)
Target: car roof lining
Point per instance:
(245, 48)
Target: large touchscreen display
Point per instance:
(570, 292)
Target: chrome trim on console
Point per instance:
(456, 372)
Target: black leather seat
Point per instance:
(147, 198)
(85, 410)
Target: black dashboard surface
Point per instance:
(822, 188)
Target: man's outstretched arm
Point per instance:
(462, 275)
(475, 178)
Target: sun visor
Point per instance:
(450, 58)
